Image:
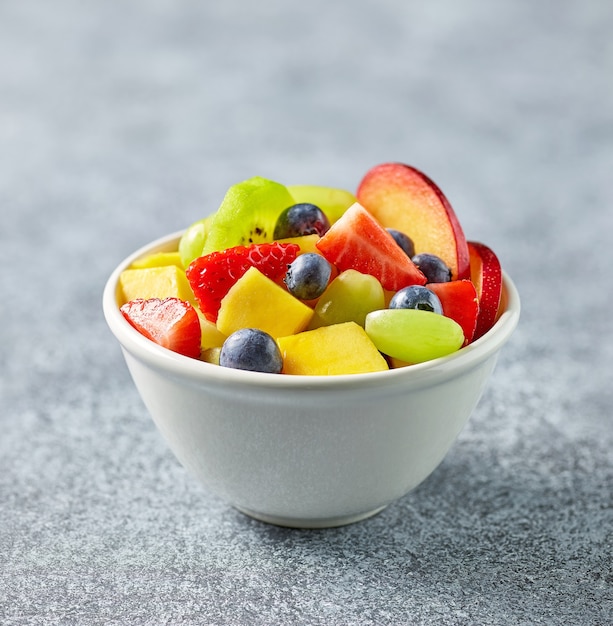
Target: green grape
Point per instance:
(192, 241)
(333, 202)
(348, 298)
(413, 335)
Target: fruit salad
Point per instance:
(312, 280)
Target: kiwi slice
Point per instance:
(333, 202)
(248, 214)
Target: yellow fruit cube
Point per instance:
(211, 355)
(255, 301)
(337, 349)
(396, 363)
(306, 243)
(155, 282)
(157, 259)
(210, 337)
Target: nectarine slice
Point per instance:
(486, 275)
(401, 197)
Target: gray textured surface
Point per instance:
(120, 122)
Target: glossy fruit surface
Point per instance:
(460, 302)
(357, 241)
(348, 298)
(306, 243)
(247, 215)
(251, 349)
(331, 350)
(171, 323)
(255, 301)
(486, 275)
(210, 336)
(412, 335)
(167, 281)
(159, 259)
(433, 267)
(212, 275)
(331, 200)
(211, 355)
(401, 197)
(308, 276)
(301, 219)
(191, 244)
(416, 297)
(333, 260)
(404, 241)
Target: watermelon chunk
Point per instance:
(460, 302)
(357, 241)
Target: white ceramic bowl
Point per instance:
(305, 451)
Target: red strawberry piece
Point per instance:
(460, 303)
(171, 323)
(211, 276)
(357, 241)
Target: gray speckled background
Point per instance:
(122, 121)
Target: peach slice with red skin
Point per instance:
(400, 196)
(486, 275)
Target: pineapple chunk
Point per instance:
(306, 243)
(155, 282)
(211, 355)
(210, 337)
(337, 349)
(157, 259)
(255, 301)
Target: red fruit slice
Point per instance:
(357, 241)
(486, 275)
(171, 323)
(460, 303)
(211, 276)
(401, 197)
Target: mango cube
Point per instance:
(158, 259)
(306, 243)
(168, 281)
(255, 301)
(337, 349)
(210, 337)
(211, 355)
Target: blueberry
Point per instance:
(404, 241)
(251, 349)
(301, 219)
(416, 297)
(432, 267)
(308, 276)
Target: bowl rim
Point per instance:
(190, 369)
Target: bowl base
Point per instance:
(310, 523)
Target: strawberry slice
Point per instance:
(460, 302)
(171, 323)
(211, 276)
(357, 241)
